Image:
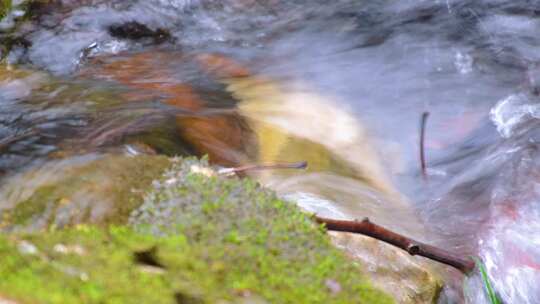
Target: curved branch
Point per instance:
(365, 227)
(297, 165)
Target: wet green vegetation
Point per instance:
(196, 238)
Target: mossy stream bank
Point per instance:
(190, 237)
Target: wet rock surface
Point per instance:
(408, 279)
(85, 189)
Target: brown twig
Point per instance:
(413, 247)
(297, 165)
(423, 123)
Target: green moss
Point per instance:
(105, 273)
(36, 205)
(216, 240)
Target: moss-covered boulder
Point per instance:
(196, 238)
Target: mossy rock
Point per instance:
(197, 238)
(85, 189)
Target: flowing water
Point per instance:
(342, 84)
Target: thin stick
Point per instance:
(297, 165)
(423, 123)
(413, 247)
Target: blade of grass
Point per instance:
(492, 296)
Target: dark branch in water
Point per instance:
(423, 123)
(365, 227)
(297, 165)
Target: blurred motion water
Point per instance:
(341, 84)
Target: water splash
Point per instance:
(509, 113)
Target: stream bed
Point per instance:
(341, 85)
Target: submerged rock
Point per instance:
(204, 112)
(84, 189)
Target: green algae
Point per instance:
(204, 239)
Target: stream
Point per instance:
(340, 84)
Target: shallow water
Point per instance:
(342, 85)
